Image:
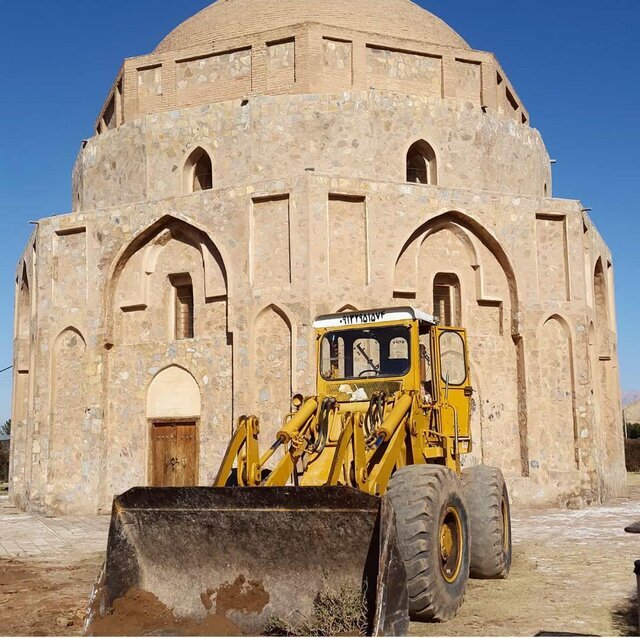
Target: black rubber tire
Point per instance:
(488, 504)
(421, 496)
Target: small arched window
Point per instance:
(198, 171)
(421, 164)
(447, 303)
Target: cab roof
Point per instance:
(373, 316)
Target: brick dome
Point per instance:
(232, 18)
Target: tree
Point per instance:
(6, 427)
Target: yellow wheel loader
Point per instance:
(362, 490)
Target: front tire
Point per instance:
(433, 532)
(490, 518)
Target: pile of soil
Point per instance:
(140, 613)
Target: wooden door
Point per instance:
(174, 454)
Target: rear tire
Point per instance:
(433, 533)
(490, 519)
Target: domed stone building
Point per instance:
(271, 161)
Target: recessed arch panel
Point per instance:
(173, 393)
(68, 410)
(272, 352)
(456, 246)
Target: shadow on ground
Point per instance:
(624, 616)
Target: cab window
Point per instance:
(452, 358)
(365, 353)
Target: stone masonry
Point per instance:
(271, 161)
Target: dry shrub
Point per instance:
(341, 613)
(632, 454)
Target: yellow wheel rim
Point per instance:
(450, 542)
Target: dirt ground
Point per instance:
(572, 572)
(45, 598)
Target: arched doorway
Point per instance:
(173, 411)
(166, 305)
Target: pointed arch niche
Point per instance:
(272, 353)
(453, 248)
(601, 300)
(23, 347)
(149, 276)
(607, 377)
(171, 263)
(68, 406)
(555, 430)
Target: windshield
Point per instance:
(365, 353)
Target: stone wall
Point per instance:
(160, 300)
(542, 412)
(357, 134)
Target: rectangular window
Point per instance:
(184, 311)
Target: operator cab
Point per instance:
(364, 352)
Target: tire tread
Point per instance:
(485, 488)
(416, 492)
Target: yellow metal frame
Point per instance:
(411, 431)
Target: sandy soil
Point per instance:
(40, 598)
(572, 572)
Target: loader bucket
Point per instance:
(253, 557)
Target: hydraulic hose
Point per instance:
(375, 413)
(327, 405)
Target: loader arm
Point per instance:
(243, 450)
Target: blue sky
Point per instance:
(576, 66)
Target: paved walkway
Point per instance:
(24, 534)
